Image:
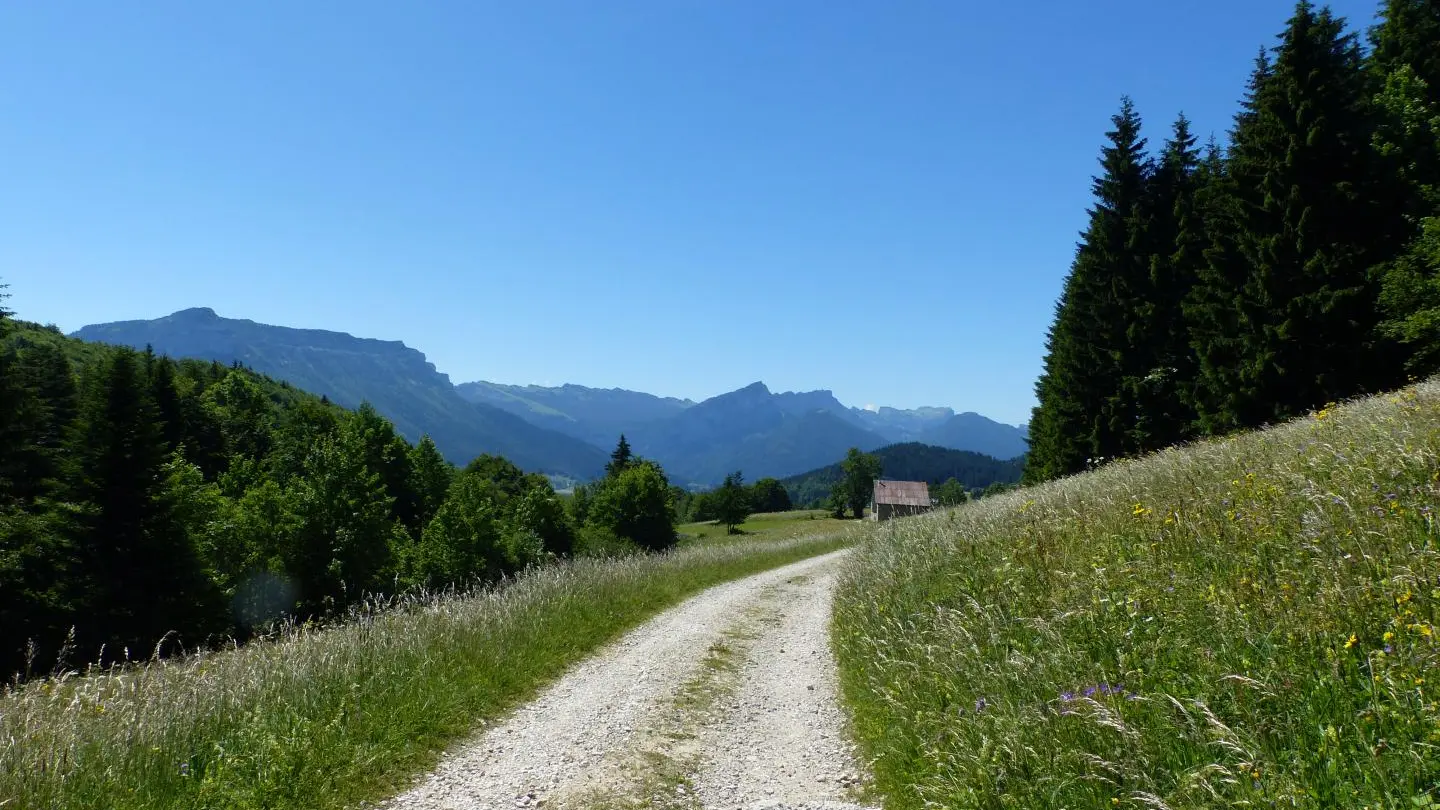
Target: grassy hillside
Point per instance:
(1250, 621)
(911, 461)
(332, 718)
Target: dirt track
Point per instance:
(725, 701)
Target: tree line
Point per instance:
(1227, 287)
(954, 476)
(734, 501)
(152, 504)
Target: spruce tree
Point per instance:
(161, 374)
(1409, 34)
(1157, 356)
(1083, 413)
(1289, 318)
(430, 479)
(732, 502)
(141, 573)
(620, 459)
(45, 372)
(1214, 310)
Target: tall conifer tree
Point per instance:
(141, 573)
(1082, 414)
(1158, 355)
(1290, 319)
(1409, 34)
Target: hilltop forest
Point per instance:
(1228, 287)
(149, 505)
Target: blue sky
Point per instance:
(677, 196)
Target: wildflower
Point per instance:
(1388, 651)
(1351, 642)
(184, 769)
(980, 705)
(1388, 635)
(1089, 691)
(1067, 696)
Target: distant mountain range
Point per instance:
(566, 430)
(396, 379)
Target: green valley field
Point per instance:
(769, 525)
(1250, 621)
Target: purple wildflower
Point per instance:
(1089, 691)
(980, 705)
(1389, 649)
(1067, 696)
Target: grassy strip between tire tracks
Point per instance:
(1244, 622)
(335, 717)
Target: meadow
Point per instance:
(769, 525)
(1247, 621)
(331, 717)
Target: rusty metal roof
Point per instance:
(902, 493)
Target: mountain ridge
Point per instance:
(568, 429)
(399, 381)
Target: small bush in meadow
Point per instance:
(1249, 621)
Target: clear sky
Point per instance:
(676, 196)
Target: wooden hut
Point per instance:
(899, 498)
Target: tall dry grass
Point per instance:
(1245, 622)
(331, 717)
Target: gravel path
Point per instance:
(708, 705)
(780, 739)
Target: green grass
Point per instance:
(1245, 622)
(769, 525)
(328, 718)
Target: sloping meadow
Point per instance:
(320, 718)
(1246, 621)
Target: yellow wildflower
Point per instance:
(1351, 642)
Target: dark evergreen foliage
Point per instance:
(1297, 266)
(149, 505)
(732, 502)
(1084, 410)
